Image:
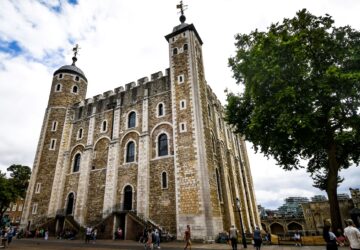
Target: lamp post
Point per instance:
(241, 224)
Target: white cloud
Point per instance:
(122, 41)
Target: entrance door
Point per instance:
(70, 204)
(128, 198)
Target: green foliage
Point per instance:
(20, 176)
(302, 95)
(14, 187)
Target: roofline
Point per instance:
(188, 27)
(69, 71)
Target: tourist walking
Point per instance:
(187, 237)
(352, 235)
(233, 233)
(330, 238)
(257, 238)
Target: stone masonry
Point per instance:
(158, 147)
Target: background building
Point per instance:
(13, 214)
(156, 151)
(298, 213)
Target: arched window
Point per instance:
(75, 89)
(186, 46)
(163, 145)
(164, 180)
(175, 51)
(58, 87)
(130, 152)
(132, 120)
(161, 109)
(104, 126)
(76, 165)
(218, 184)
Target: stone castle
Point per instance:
(157, 151)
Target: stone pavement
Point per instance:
(54, 244)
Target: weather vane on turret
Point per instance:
(182, 7)
(76, 51)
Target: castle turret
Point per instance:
(68, 87)
(189, 102)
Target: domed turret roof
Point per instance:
(72, 69)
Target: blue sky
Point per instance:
(122, 41)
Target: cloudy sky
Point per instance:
(122, 41)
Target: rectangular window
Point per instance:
(182, 127)
(182, 104)
(52, 144)
(14, 207)
(20, 207)
(54, 126)
(34, 208)
(181, 78)
(38, 188)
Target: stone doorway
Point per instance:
(70, 204)
(128, 198)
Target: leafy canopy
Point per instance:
(302, 93)
(14, 187)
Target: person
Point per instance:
(157, 238)
(329, 237)
(297, 238)
(257, 238)
(120, 233)
(46, 234)
(187, 237)
(340, 238)
(143, 237)
(94, 234)
(4, 237)
(88, 234)
(10, 233)
(352, 235)
(233, 233)
(268, 238)
(149, 242)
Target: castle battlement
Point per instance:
(128, 94)
(149, 148)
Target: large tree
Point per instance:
(13, 187)
(301, 97)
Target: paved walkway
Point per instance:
(54, 244)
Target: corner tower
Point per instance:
(68, 87)
(196, 202)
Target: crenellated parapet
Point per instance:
(126, 95)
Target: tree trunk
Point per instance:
(331, 189)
